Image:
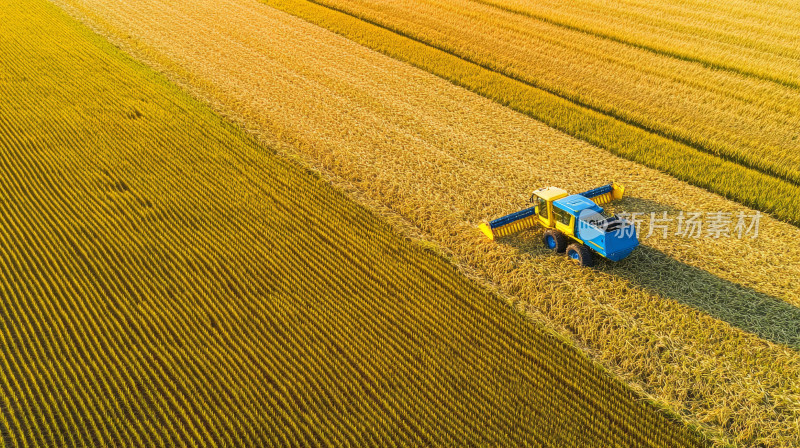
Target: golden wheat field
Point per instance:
(168, 281)
(254, 223)
(687, 322)
(754, 39)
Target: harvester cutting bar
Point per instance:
(509, 224)
(605, 194)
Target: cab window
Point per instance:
(561, 216)
(542, 204)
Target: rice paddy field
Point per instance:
(254, 223)
(169, 281)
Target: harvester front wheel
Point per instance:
(580, 254)
(555, 240)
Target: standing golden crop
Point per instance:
(732, 134)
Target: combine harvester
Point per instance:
(574, 223)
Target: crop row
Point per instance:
(167, 281)
(750, 121)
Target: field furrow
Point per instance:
(750, 38)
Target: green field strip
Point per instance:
(166, 280)
(732, 180)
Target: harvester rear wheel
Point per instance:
(581, 254)
(555, 240)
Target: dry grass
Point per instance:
(166, 281)
(690, 322)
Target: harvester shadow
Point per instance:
(768, 317)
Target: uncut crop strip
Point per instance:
(747, 121)
(694, 327)
(166, 281)
(755, 39)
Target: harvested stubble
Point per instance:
(166, 281)
(689, 322)
(715, 136)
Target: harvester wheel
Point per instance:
(580, 254)
(555, 240)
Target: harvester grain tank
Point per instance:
(575, 224)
